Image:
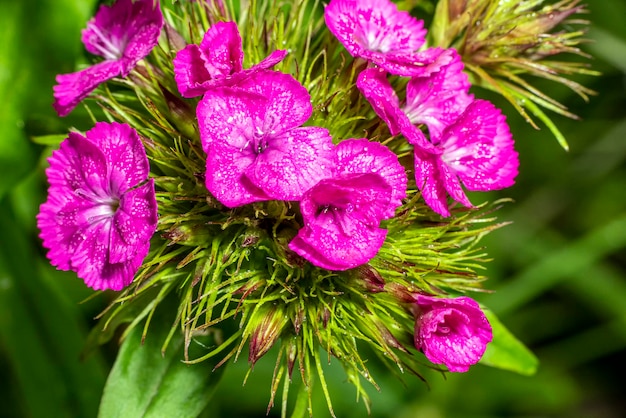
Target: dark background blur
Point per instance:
(559, 270)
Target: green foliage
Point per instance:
(148, 382)
(507, 352)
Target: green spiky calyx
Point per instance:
(503, 42)
(231, 269)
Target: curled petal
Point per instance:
(190, 71)
(374, 85)
(222, 50)
(428, 181)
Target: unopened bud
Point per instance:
(271, 323)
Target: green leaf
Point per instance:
(49, 140)
(507, 352)
(145, 382)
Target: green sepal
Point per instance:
(146, 382)
(506, 351)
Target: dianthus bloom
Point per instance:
(123, 34)
(377, 31)
(255, 144)
(453, 332)
(476, 151)
(101, 209)
(217, 61)
(470, 141)
(342, 213)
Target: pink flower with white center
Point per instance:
(101, 209)
(453, 332)
(255, 144)
(377, 31)
(476, 150)
(216, 62)
(436, 100)
(123, 34)
(342, 213)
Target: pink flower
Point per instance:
(123, 34)
(378, 32)
(470, 142)
(476, 151)
(342, 213)
(217, 61)
(452, 332)
(256, 148)
(101, 209)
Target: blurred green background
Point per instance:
(559, 270)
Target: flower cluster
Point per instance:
(272, 189)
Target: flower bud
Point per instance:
(271, 323)
(370, 278)
(453, 332)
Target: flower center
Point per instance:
(110, 47)
(104, 207)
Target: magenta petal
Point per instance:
(59, 218)
(374, 85)
(127, 161)
(222, 49)
(478, 147)
(225, 179)
(217, 62)
(133, 223)
(362, 156)
(429, 182)
(326, 245)
(72, 88)
(373, 28)
(438, 100)
(452, 184)
(300, 245)
(422, 64)
(272, 59)
(289, 103)
(293, 162)
(227, 115)
(190, 71)
(341, 217)
(227, 121)
(453, 332)
(362, 197)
